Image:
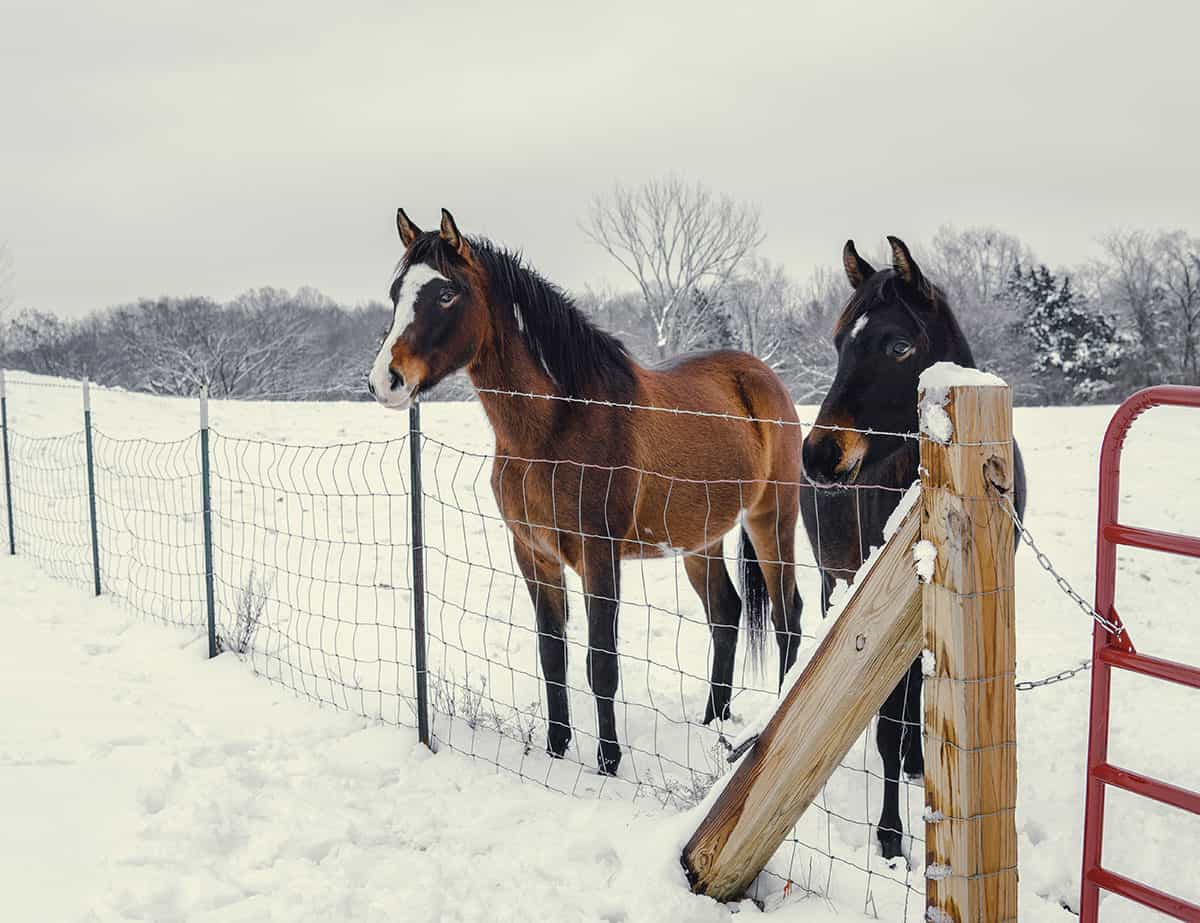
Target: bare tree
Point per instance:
(762, 302)
(812, 359)
(255, 346)
(1153, 278)
(1130, 280)
(677, 241)
(1179, 257)
(973, 266)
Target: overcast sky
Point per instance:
(204, 148)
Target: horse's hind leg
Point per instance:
(773, 535)
(544, 580)
(723, 608)
(911, 745)
(601, 573)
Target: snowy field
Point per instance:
(141, 781)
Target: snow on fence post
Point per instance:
(206, 514)
(12, 541)
(968, 606)
(91, 479)
(418, 575)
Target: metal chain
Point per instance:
(1064, 585)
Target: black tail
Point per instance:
(756, 603)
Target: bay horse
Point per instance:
(583, 483)
(896, 324)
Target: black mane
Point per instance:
(936, 323)
(583, 360)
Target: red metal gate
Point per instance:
(1111, 650)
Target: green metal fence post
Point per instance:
(12, 541)
(91, 477)
(418, 575)
(206, 492)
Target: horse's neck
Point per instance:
(523, 425)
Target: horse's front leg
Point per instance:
(601, 573)
(544, 580)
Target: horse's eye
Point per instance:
(446, 298)
(900, 348)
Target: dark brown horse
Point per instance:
(582, 483)
(896, 324)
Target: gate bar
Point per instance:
(1148, 787)
(1152, 539)
(1175, 907)
(1151, 666)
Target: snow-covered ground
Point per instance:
(142, 781)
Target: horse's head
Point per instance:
(895, 326)
(440, 313)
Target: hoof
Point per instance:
(608, 757)
(558, 738)
(914, 763)
(890, 842)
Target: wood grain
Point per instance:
(970, 701)
(864, 655)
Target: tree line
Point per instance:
(1059, 335)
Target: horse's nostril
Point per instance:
(370, 386)
(394, 379)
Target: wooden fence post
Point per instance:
(865, 652)
(970, 697)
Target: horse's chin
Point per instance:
(402, 401)
(847, 478)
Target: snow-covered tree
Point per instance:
(1076, 350)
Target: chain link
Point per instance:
(1026, 685)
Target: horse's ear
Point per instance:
(450, 234)
(906, 267)
(408, 230)
(858, 270)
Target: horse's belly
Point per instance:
(690, 518)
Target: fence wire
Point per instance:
(312, 569)
(312, 577)
(148, 519)
(50, 503)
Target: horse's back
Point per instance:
(737, 405)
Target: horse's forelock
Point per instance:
(883, 288)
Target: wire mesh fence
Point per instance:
(312, 549)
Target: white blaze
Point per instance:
(406, 300)
(858, 326)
